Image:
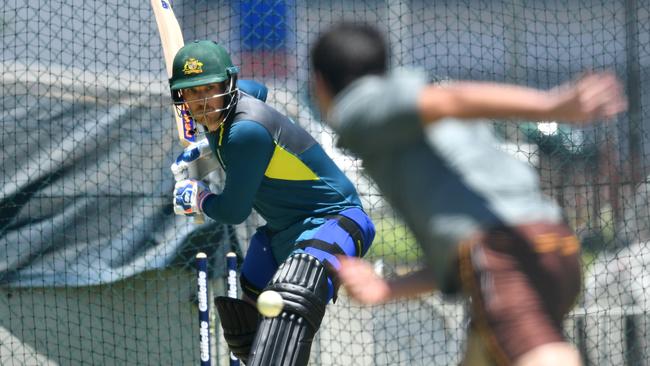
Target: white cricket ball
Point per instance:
(270, 304)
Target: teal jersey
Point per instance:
(274, 166)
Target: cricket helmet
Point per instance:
(201, 63)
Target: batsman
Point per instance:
(312, 211)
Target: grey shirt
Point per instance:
(447, 181)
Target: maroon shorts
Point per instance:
(522, 282)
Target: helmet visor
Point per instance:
(207, 104)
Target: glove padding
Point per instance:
(195, 162)
(189, 195)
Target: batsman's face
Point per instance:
(206, 103)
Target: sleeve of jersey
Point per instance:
(379, 113)
(246, 157)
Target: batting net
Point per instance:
(96, 269)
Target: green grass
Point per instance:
(394, 243)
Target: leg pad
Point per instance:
(286, 339)
(239, 321)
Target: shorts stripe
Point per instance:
(472, 287)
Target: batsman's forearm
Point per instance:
(470, 100)
(218, 208)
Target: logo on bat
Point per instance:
(189, 128)
(193, 66)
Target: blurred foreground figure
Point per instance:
(485, 227)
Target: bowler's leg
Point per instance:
(522, 281)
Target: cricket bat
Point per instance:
(171, 39)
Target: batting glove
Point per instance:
(189, 195)
(190, 158)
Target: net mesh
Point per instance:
(96, 269)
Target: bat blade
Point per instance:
(171, 39)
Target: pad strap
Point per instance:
(351, 228)
(331, 248)
(248, 288)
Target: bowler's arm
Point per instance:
(365, 286)
(598, 95)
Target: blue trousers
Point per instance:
(323, 238)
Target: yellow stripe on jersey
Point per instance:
(286, 166)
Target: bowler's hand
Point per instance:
(592, 97)
(361, 282)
